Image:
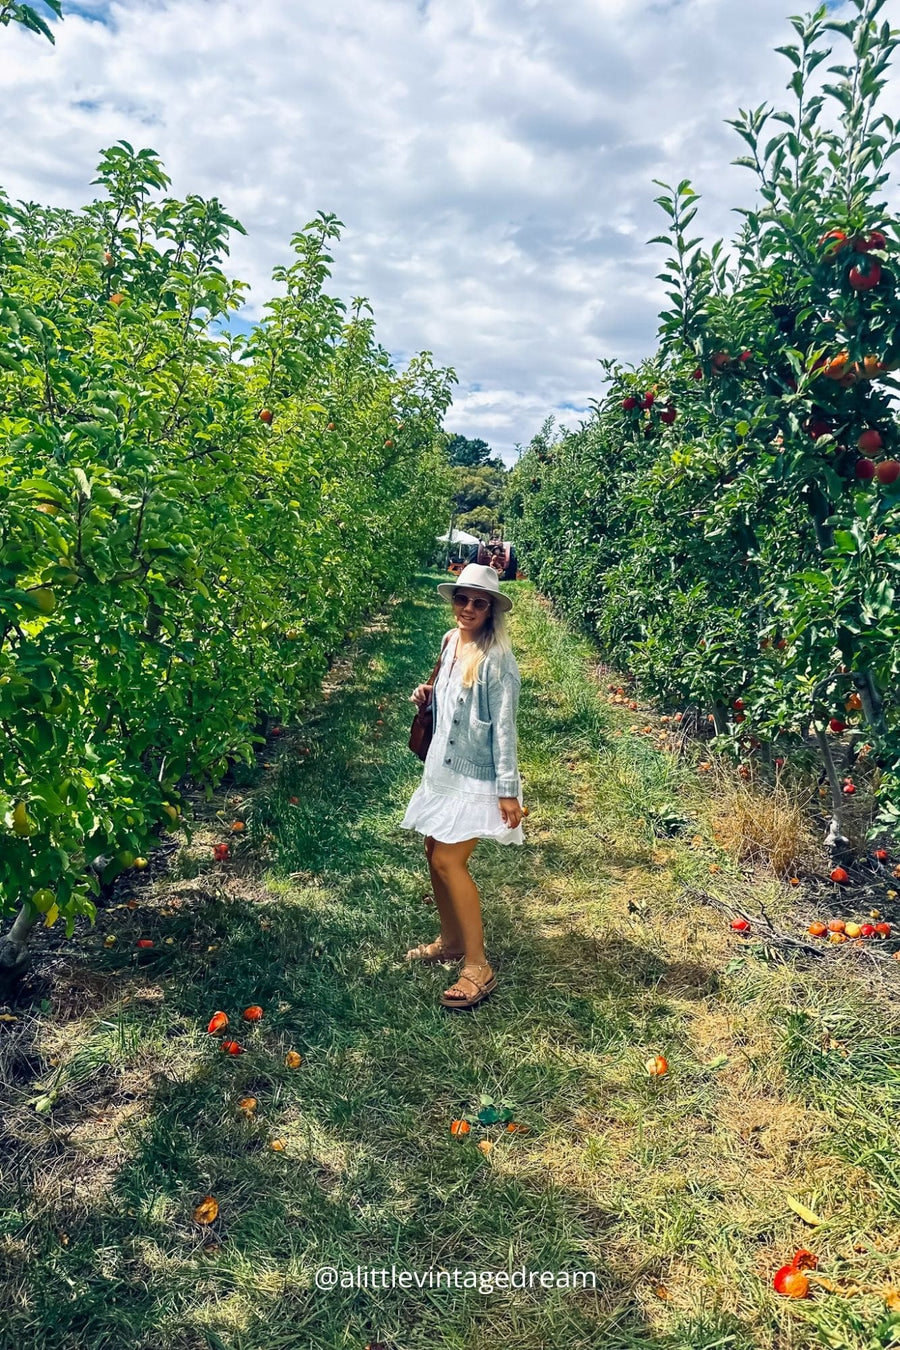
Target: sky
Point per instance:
(492, 160)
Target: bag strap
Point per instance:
(434, 674)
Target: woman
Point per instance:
(470, 786)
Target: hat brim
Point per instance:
(446, 589)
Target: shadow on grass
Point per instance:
(369, 1175)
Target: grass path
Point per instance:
(784, 1081)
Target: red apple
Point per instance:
(840, 875)
(888, 471)
(865, 243)
(629, 404)
(865, 470)
(870, 441)
(865, 280)
(837, 726)
(836, 241)
(740, 925)
(265, 416)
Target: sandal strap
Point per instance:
(472, 980)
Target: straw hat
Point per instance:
(477, 578)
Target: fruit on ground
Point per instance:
(817, 928)
(460, 1127)
(252, 1014)
(265, 415)
(237, 826)
(849, 789)
(867, 930)
(791, 1282)
(740, 925)
(853, 930)
(837, 937)
(836, 925)
(840, 875)
(144, 943)
(883, 929)
(293, 1060)
(220, 852)
(865, 470)
(865, 279)
(657, 1066)
(870, 441)
(888, 471)
(232, 1048)
(218, 1022)
(207, 1211)
(881, 854)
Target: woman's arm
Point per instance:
(503, 703)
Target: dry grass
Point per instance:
(764, 825)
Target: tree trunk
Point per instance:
(14, 958)
(835, 840)
(873, 707)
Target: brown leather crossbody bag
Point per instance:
(422, 728)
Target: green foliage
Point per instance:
(28, 16)
(480, 488)
(470, 453)
(190, 520)
(707, 525)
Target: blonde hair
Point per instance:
(493, 636)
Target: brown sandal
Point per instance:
(482, 991)
(429, 957)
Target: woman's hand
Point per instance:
(421, 695)
(511, 811)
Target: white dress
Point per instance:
(449, 806)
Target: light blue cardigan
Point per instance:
(482, 742)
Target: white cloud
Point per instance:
(492, 159)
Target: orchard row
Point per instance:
(726, 521)
(192, 515)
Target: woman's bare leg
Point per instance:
(451, 933)
(450, 939)
(449, 862)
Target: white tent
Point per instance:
(458, 537)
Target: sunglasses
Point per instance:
(463, 600)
